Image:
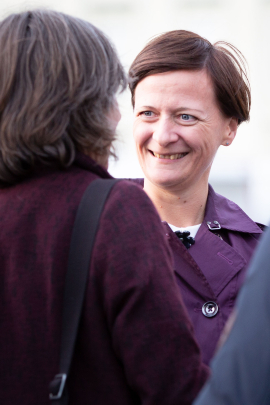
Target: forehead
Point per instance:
(178, 86)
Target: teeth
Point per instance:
(171, 157)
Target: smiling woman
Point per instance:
(189, 98)
(178, 128)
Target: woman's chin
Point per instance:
(164, 182)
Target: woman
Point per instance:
(58, 114)
(189, 97)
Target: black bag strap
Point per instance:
(82, 242)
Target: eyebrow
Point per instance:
(187, 108)
(149, 107)
(145, 107)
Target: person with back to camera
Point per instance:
(58, 115)
(189, 98)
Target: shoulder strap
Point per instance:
(82, 242)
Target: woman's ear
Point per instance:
(231, 131)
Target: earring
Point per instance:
(227, 143)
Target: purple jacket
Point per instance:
(241, 366)
(135, 343)
(214, 268)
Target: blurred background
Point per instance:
(241, 172)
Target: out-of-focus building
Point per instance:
(242, 171)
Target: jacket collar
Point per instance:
(228, 214)
(81, 160)
(86, 163)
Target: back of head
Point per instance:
(59, 77)
(185, 50)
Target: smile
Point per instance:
(171, 157)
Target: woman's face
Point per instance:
(178, 127)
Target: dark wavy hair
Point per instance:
(59, 77)
(185, 50)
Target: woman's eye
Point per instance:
(147, 113)
(187, 117)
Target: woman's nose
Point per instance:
(164, 132)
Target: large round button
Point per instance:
(210, 309)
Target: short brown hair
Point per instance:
(185, 50)
(59, 77)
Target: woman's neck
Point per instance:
(181, 208)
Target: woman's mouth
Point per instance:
(171, 156)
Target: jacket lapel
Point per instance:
(186, 267)
(219, 262)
